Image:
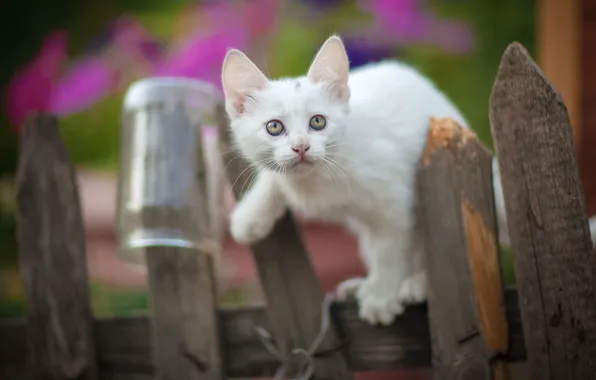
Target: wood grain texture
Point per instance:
(52, 258)
(183, 310)
(554, 266)
(124, 344)
(182, 287)
(466, 306)
(292, 289)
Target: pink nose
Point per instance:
(301, 149)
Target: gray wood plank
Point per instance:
(124, 345)
(554, 265)
(181, 280)
(52, 258)
(183, 311)
(292, 289)
(458, 223)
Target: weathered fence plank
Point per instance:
(183, 296)
(292, 289)
(466, 306)
(183, 313)
(124, 345)
(554, 266)
(52, 258)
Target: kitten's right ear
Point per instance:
(240, 77)
(331, 67)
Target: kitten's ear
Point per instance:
(240, 77)
(331, 67)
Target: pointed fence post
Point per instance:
(466, 304)
(52, 258)
(555, 268)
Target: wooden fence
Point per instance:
(472, 329)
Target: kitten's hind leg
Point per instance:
(257, 212)
(349, 288)
(389, 266)
(414, 288)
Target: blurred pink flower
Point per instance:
(405, 21)
(218, 13)
(260, 15)
(402, 18)
(199, 53)
(201, 56)
(84, 84)
(256, 17)
(126, 51)
(131, 52)
(132, 39)
(40, 85)
(30, 88)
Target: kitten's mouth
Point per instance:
(301, 163)
(301, 167)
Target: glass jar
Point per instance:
(162, 180)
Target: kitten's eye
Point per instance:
(318, 122)
(274, 127)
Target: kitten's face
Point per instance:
(290, 125)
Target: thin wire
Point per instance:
(307, 369)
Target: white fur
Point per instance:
(362, 165)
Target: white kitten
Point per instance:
(340, 146)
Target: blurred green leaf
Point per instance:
(92, 137)
(110, 300)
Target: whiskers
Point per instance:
(269, 164)
(338, 161)
(333, 167)
(337, 172)
(278, 170)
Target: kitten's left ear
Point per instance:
(240, 78)
(331, 67)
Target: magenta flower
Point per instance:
(126, 51)
(256, 17)
(130, 38)
(200, 56)
(83, 85)
(30, 88)
(41, 87)
(402, 18)
(260, 16)
(404, 21)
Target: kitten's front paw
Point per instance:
(249, 227)
(379, 302)
(413, 289)
(347, 289)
